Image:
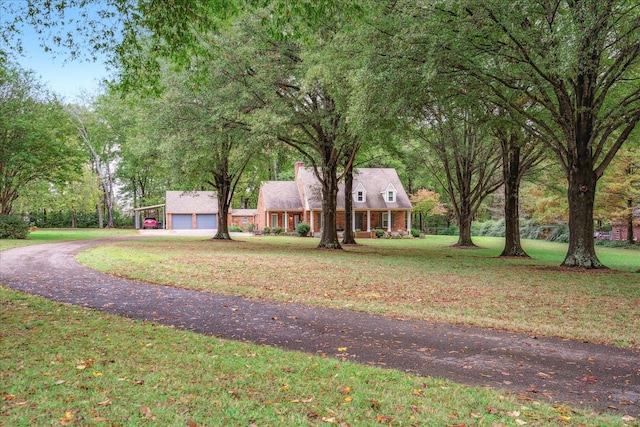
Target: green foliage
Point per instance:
(277, 230)
(235, 229)
(303, 229)
(266, 230)
(560, 234)
(380, 233)
(13, 227)
(452, 230)
(415, 232)
(35, 137)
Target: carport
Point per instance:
(138, 211)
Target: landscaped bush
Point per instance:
(560, 234)
(13, 227)
(236, 229)
(277, 230)
(266, 230)
(415, 232)
(303, 229)
(251, 227)
(452, 230)
(380, 233)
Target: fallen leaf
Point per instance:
(341, 349)
(345, 389)
(146, 412)
(383, 419)
(418, 392)
(348, 399)
(589, 379)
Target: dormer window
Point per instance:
(360, 194)
(389, 194)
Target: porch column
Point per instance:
(368, 220)
(408, 221)
(353, 220)
(285, 220)
(313, 230)
(389, 221)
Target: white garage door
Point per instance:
(181, 222)
(206, 221)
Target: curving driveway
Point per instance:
(546, 369)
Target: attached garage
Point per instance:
(205, 221)
(181, 222)
(187, 210)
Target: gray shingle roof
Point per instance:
(281, 195)
(186, 202)
(374, 181)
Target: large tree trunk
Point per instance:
(630, 222)
(511, 176)
(223, 190)
(581, 195)
(348, 237)
(329, 238)
(465, 217)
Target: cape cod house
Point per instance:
(379, 202)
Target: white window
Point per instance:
(360, 195)
(391, 196)
(274, 220)
(245, 220)
(385, 220)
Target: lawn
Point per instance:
(417, 278)
(64, 365)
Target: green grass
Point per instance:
(48, 235)
(420, 278)
(66, 365)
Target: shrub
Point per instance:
(251, 227)
(380, 233)
(560, 234)
(303, 229)
(415, 232)
(13, 227)
(266, 230)
(236, 229)
(277, 230)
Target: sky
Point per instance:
(57, 71)
(65, 78)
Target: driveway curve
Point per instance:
(558, 371)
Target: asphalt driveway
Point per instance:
(546, 369)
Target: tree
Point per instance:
(520, 152)
(427, 203)
(206, 121)
(101, 130)
(36, 142)
(460, 145)
(619, 191)
(569, 70)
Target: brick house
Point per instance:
(242, 217)
(379, 202)
(620, 229)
